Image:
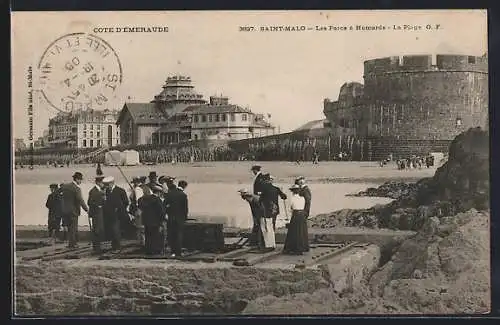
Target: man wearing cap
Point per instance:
(72, 202)
(96, 201)
(176, 206)
(53, 203)
(153, 215)
(258, 181)
(256, 238)
(115, 211)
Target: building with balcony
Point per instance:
(221, 120)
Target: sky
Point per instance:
(285, 74)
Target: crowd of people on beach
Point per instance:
(155, 210)
(411, 162)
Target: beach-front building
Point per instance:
(180, 114)
(221, 120)
(138, 121)
(84, 129)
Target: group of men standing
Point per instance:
(155, 211)
(264, 205)
(160, 209)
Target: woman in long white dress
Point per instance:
(295, 243)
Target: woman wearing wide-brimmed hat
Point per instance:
(296, 243)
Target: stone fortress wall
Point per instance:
(413, 97)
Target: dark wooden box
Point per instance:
(206, 237)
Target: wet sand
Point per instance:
(213, 187)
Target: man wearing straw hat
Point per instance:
(72, 204)
(115, 211)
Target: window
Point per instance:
(84, 134)
(203, 118)
(98, 143)
(196, 119)
(459, 121)
(196, 136)
(223, 117)
(91, 126)
(98, 134)
(91, 143)
(91, 134)
(210, 117)
(472, 60)
(217, 118)
(243, 117)
(233, 117)
(84, 143)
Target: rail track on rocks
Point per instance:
(233, 253)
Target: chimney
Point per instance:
(216, 100)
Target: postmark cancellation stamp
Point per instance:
(79, 71)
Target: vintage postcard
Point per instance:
(250, 163)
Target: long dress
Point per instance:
(305, 192)
(296, 241)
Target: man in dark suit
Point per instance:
(270, 198)
(96, 201)
(153, 215)
(54, 205)
(72, 200)
(176, 206)
(115, 211)
(258, 180)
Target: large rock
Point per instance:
(440, 273)
(461, 184)
(464, 178)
